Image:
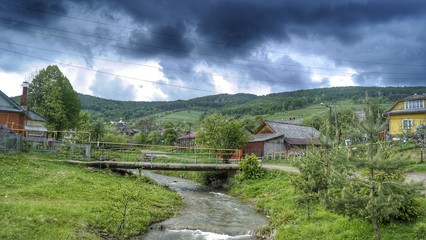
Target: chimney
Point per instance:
(24, 97)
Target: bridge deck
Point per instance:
(158, 166)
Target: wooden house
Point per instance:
(19, 118)
(186, 140)
(281, 138)
(407, 115)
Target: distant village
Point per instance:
(407, 116)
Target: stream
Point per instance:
(208, 214)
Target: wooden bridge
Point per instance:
(158, 166)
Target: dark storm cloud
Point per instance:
(34, 11)
(281, 77)
(250, 23)
(358, 34)
(145, 45)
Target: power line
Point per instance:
(160, 47)
(176, 70)
(137, 64)
(202, 40)
(108, 73)
(140, 50)
(238, 64)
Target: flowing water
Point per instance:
(208, 214)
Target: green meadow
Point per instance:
(44, 198)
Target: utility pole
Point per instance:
(329, 121)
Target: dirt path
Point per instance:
(419, 177)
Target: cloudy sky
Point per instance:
(161, 50)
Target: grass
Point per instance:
(275, 196)
(315, 109)
(188, 116)
(42, 198)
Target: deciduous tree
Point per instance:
(222, 132)
(52, 95)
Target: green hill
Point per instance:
(277, 105)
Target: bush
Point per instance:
(250, 168)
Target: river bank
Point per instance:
(274, 195)
(42, 199)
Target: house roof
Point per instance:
(35, 128)
(34, 116)
(406, 111)
(190, 135)
(414, 97)
(293, 131)
(8, 105)
(293, 134)
(265, 137)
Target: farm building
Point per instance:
(281, 138)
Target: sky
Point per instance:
(166, 50)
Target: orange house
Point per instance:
(19, 118)
(11, 114)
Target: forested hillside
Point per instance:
(243, 104)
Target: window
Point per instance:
(407, 123)
(414, 104)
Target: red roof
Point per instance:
(190, 135)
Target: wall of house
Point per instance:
(14, 121)
(265, 130)
(395, 122)
(35, 123)
(275, 145)
(399, 106)
(254, 147)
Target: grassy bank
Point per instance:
(275, 196)
(48, 199)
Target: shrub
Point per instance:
(250, 168)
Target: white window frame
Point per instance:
(414, 104)
(407, 123)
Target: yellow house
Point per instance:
(407, 115)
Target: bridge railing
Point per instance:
(107, 151)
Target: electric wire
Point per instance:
(108, 73)
(202, 40)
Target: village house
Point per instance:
(277, 137)
(407, 116)
(20, 119)
(186, 140)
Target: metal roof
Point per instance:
(265, 137)
(35, 128)
(415, 97)
(7, 104)
(407, 111)
(34, 116)
(293, 134)
(293, 131)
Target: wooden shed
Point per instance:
(281, 138)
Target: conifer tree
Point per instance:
(379, 192)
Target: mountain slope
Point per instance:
(243, 104)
